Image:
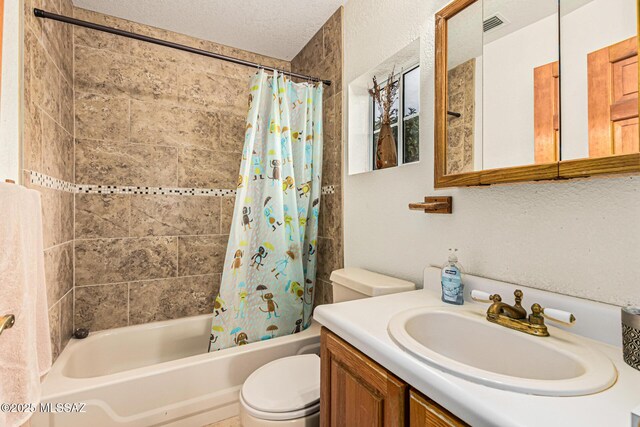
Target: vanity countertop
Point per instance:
(363, 323)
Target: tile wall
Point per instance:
(149, 116)
(323, 57)
(135, 148)
(48, 149)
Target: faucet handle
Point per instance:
(482, 296)
(560, 316)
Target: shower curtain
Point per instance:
(269, 273)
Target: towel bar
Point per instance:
(6, 322)
(439, 205)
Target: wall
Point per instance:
(323, 56)
(168, 123)
(48, 149)
(577, 237)
(10, 88)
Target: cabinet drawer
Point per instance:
(424, 412)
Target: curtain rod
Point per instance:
(48, 15)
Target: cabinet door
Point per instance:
(426, 413)
(356, 391)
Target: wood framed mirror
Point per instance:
(527, 91)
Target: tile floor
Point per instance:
(231, 422)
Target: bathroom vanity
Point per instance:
(370, 376)
(357, 391)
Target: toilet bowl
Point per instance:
(286, 392)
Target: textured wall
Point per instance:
(576, 237)
(48, 149)
(322, 57)
(149, 116)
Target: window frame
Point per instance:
(400, 143)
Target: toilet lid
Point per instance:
(284, 385)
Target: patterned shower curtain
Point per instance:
(269, 273)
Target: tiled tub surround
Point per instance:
(322, 56)
(146, 253)
(158, 141)
(155, 130)
(48, 149)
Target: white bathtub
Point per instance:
(158, 374)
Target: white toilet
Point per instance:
(286, 392)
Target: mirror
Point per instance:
(599, 78)
(502, 71)
(510, 108)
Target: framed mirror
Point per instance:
(505, 108)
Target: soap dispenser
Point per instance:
(452, 286)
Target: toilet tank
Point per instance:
(355, 283)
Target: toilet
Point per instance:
(286, 392)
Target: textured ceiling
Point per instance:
(277, 28)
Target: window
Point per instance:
(404, 120)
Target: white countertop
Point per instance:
(363, 323)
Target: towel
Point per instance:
(25, 349)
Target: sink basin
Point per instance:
(462, 342)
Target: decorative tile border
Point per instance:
(46, 181)
(328, 189)
(176, 191)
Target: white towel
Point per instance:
(25, 349)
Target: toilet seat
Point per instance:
(284, 389)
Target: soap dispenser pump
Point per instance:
(452, 286)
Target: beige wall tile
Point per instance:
(200, 88)
(209, 169)
(57, 216)
(102, 215)
(172, 298)
(54, 330)
(331, 215)
(101, 307)
(232, 132)
(152, 80)
(201, 254)
(101, 117)
(100, 71)
(58, 267)
(159, 215)
(66, 319)
(32, 138)
(331, 167)
(46, 84)
(332, 35)
(153, 123)
(226, 214)
(57, 150)
(98, 39)
(110, 163)
(66, 106)
(327, 258)
(121, 260)
(57, 39)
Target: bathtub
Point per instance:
(158, 374)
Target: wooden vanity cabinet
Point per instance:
(425, 412)
(358, 392)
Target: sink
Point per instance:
(462, 342)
